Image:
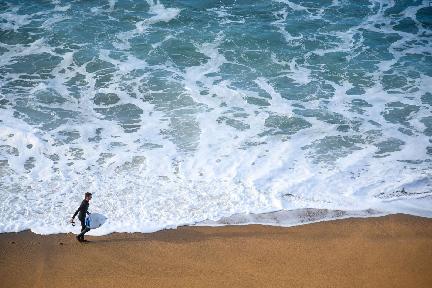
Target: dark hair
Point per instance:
(87, 194)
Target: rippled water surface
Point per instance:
(178, 112)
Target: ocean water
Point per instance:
(213, 112)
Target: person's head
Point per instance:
(88, 196)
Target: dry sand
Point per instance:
(391, 251)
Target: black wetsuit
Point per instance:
(82, 211)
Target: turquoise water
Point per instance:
(192, 111)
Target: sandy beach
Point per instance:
(390, 251)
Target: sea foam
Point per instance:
(279, 113)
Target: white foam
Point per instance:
(293, 6)
(278, 103)
(160, 14)
(187, 162)
(288, 218)
(13, 21)
(62, 8)
(112, 4)
(226, 17)
(280, 24)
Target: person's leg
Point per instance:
(79, 236)
(84, 230)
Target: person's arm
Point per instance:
(76, 212)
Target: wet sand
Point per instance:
(390, 251)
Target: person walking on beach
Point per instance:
(82, 211)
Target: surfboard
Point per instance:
(95, 220)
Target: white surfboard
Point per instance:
(95, 220)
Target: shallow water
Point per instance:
(184, 112)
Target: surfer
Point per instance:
(82, 211)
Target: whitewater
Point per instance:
(213, 112)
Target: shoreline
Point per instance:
(387, 251)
